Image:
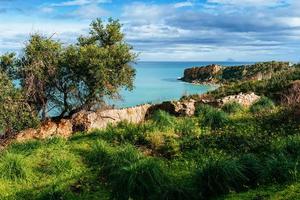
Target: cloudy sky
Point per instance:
(195, 30)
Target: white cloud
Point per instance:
(80, 2)
(90, 11)
(248, 2)
(183, 4)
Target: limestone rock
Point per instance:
(176, 108)
(243, 99)
(201, 74)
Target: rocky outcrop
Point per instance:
(48, 129)
(89, 120)
(176, 108)
(291, 95)
(221, 74)
(243, 99)
(85, 121)
(201, 74)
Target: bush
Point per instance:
(163, 119)
(170, 148)
(13, 167)
(252, 169)
(144, 179)
(187, 127)
(280, 169)
(220, 177)
(263, 104)
(125, 132)
(212, 117)
(203, 109)
(232, 107)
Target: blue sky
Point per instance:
(194, 30)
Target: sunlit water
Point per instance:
(157, 82)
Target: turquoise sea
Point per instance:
(157, 82)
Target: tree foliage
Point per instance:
(68, 78)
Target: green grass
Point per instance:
(213, 155)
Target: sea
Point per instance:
(156, 82)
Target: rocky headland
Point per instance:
(217, 74)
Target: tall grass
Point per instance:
(13, 167)
(263, 104)
(163, 119)
(144, 179)
(212, 117)
(220, 177)
(232, 107)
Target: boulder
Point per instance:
(176, 108)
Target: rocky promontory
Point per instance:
(215, 74)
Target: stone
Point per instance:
(243, 99)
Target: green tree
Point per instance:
(80, 76)
(15, 112)
(37, 71)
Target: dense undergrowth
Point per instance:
(227, 153)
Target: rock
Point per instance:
(176, 108)
(291, 95)
(88, 121)
(243, 99)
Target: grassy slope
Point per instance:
(167, 157)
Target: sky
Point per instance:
(165, 30)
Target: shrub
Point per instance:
(187, 127)
(144, 179)
(13, 167)
(220, 177)
(232, 107)
(170, 148)
(163, 119)
(252, 169)
(213, 117)
(280, 169)
(125, 132)
(263, 104)
(203, 109)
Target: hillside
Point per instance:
(233, 152)
(241, 141)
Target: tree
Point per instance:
(37, 71)
(15, 112)
(80, 76)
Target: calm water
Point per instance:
(157, 81)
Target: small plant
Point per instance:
(144, 179)
(187, 127)
(170, 148)
(263, 104)
(203, 109)
(163, 119)
(280, 169)
(252, 169)
(220, 177)
(232, 107)
(13, 167)
(124, 132)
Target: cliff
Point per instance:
(221, 74)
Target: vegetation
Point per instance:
(247, 156)
(50, 77)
